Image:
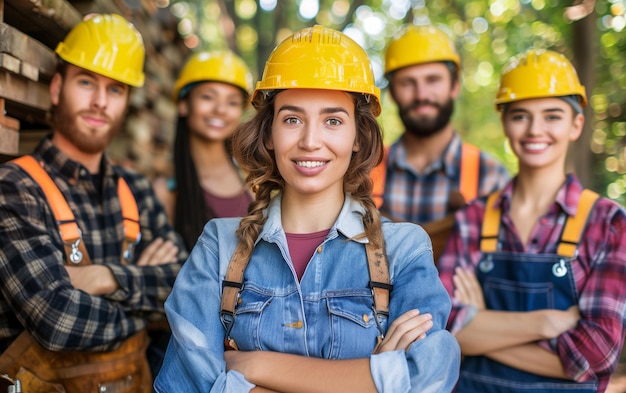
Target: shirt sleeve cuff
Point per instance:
(121, 276)
(464, 316)
(390, 371)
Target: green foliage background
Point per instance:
(487, 33)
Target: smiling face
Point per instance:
(313, 137)
(88, 110)
(425, 95)
(213, 110)
(539, 131)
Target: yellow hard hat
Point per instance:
(106, 44)
(319, 58)
(419, 45)
(217, 66)
(539, 73)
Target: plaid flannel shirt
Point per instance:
(592, 349)
(36, 292)
(424, 197)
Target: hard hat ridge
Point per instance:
(216, 66)
(539, 73)
(106, 44)
(422, 44)
(319, 58)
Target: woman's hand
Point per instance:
(404, 331)
(467, 289)
(557, 322)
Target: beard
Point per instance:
(424, 127)
(89, 140)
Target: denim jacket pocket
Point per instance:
(353, 328)
(249, 316)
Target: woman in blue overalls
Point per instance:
(537, 270)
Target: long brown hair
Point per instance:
(263, 178)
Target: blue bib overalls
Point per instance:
(524, 282)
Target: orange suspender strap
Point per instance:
(233, 282)
(575, 225)
(379, 176)
(75, 250)
(68, 228)
(130, 219)
(470, 168)
(570, 237)
(491, 224)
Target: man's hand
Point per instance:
(158, 252)
(404, 331)
(93, 279)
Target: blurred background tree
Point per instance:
(487, 32)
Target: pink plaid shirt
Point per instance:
(590, 351)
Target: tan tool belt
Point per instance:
(123, 370)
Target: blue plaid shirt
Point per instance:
(36, 291)
(424, 197)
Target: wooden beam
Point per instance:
(28, 50)
(24, 91)
(9, 133)
(45, 20)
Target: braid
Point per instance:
(262, 178)
(357, 180)
(190, 211)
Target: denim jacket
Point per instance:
(328, 314)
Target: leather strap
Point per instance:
(379, 278)
(378, 267)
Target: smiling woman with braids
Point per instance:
(311, 292)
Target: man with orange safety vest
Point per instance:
(427, 167)
(88, 256)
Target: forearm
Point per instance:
(495, 330)
(300, 374)
(261, 389)
(531, 358)
(143, 288)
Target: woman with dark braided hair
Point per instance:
(311, 291)
(211, 93)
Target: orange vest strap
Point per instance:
(491, 224)
(379, 175)
(470, 168)
(66, 221)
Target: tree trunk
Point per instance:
(580, 159)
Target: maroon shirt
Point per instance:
(302, 246)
